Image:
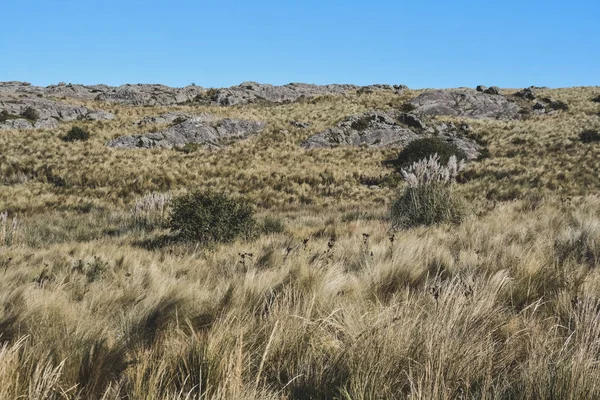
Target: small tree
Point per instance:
(428, 197)
(76, 134)
(211, 217)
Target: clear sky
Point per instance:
(420, 43)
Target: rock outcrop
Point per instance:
(467, 103)
(174, 117)
(251, 92)
(211, 134)
(36, 113)
(527, 94)
(388, 129)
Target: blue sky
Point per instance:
(420, 43)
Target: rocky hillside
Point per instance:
(287, 145)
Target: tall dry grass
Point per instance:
(329, 302)
(502, 306)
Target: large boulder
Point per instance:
(389, 129)
(465, 103)
(495, 90)
(211, 134)
(526, 94)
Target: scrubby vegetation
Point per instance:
(333, 296)
(76, 133)
(426, 147)
(211, 217)
(30, 114)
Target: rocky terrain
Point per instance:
(387, 129)
(466, 103)
(160, 95)
(37, 113)
(23, 106)
(202, 130)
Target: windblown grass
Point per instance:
(329, 302)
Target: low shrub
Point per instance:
(424, 148)
(76, 133)
(211, 217)
(589, 136)
(30, 114)
(428, 197)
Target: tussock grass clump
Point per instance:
(427, 147)
(151, 211)
(428, 197)
(9, 229)
(211, 217)
(75, 134)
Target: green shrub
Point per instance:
(589, 136)
(428, 197)
(4, 115)
(211, 217)
(76, 133)
(424, 148)
(31, 114)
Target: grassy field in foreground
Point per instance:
(330, 303)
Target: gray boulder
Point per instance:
(211, 134)
(18, 123)
(464, 103)
(526, 94)
(481, 88)
(494, 90)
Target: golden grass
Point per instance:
(503, 306)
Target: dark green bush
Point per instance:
(426, 147)
(31, 114)
(4, 115)
(76, 134)
(211, 217)
(589, 136)
(596, 99)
